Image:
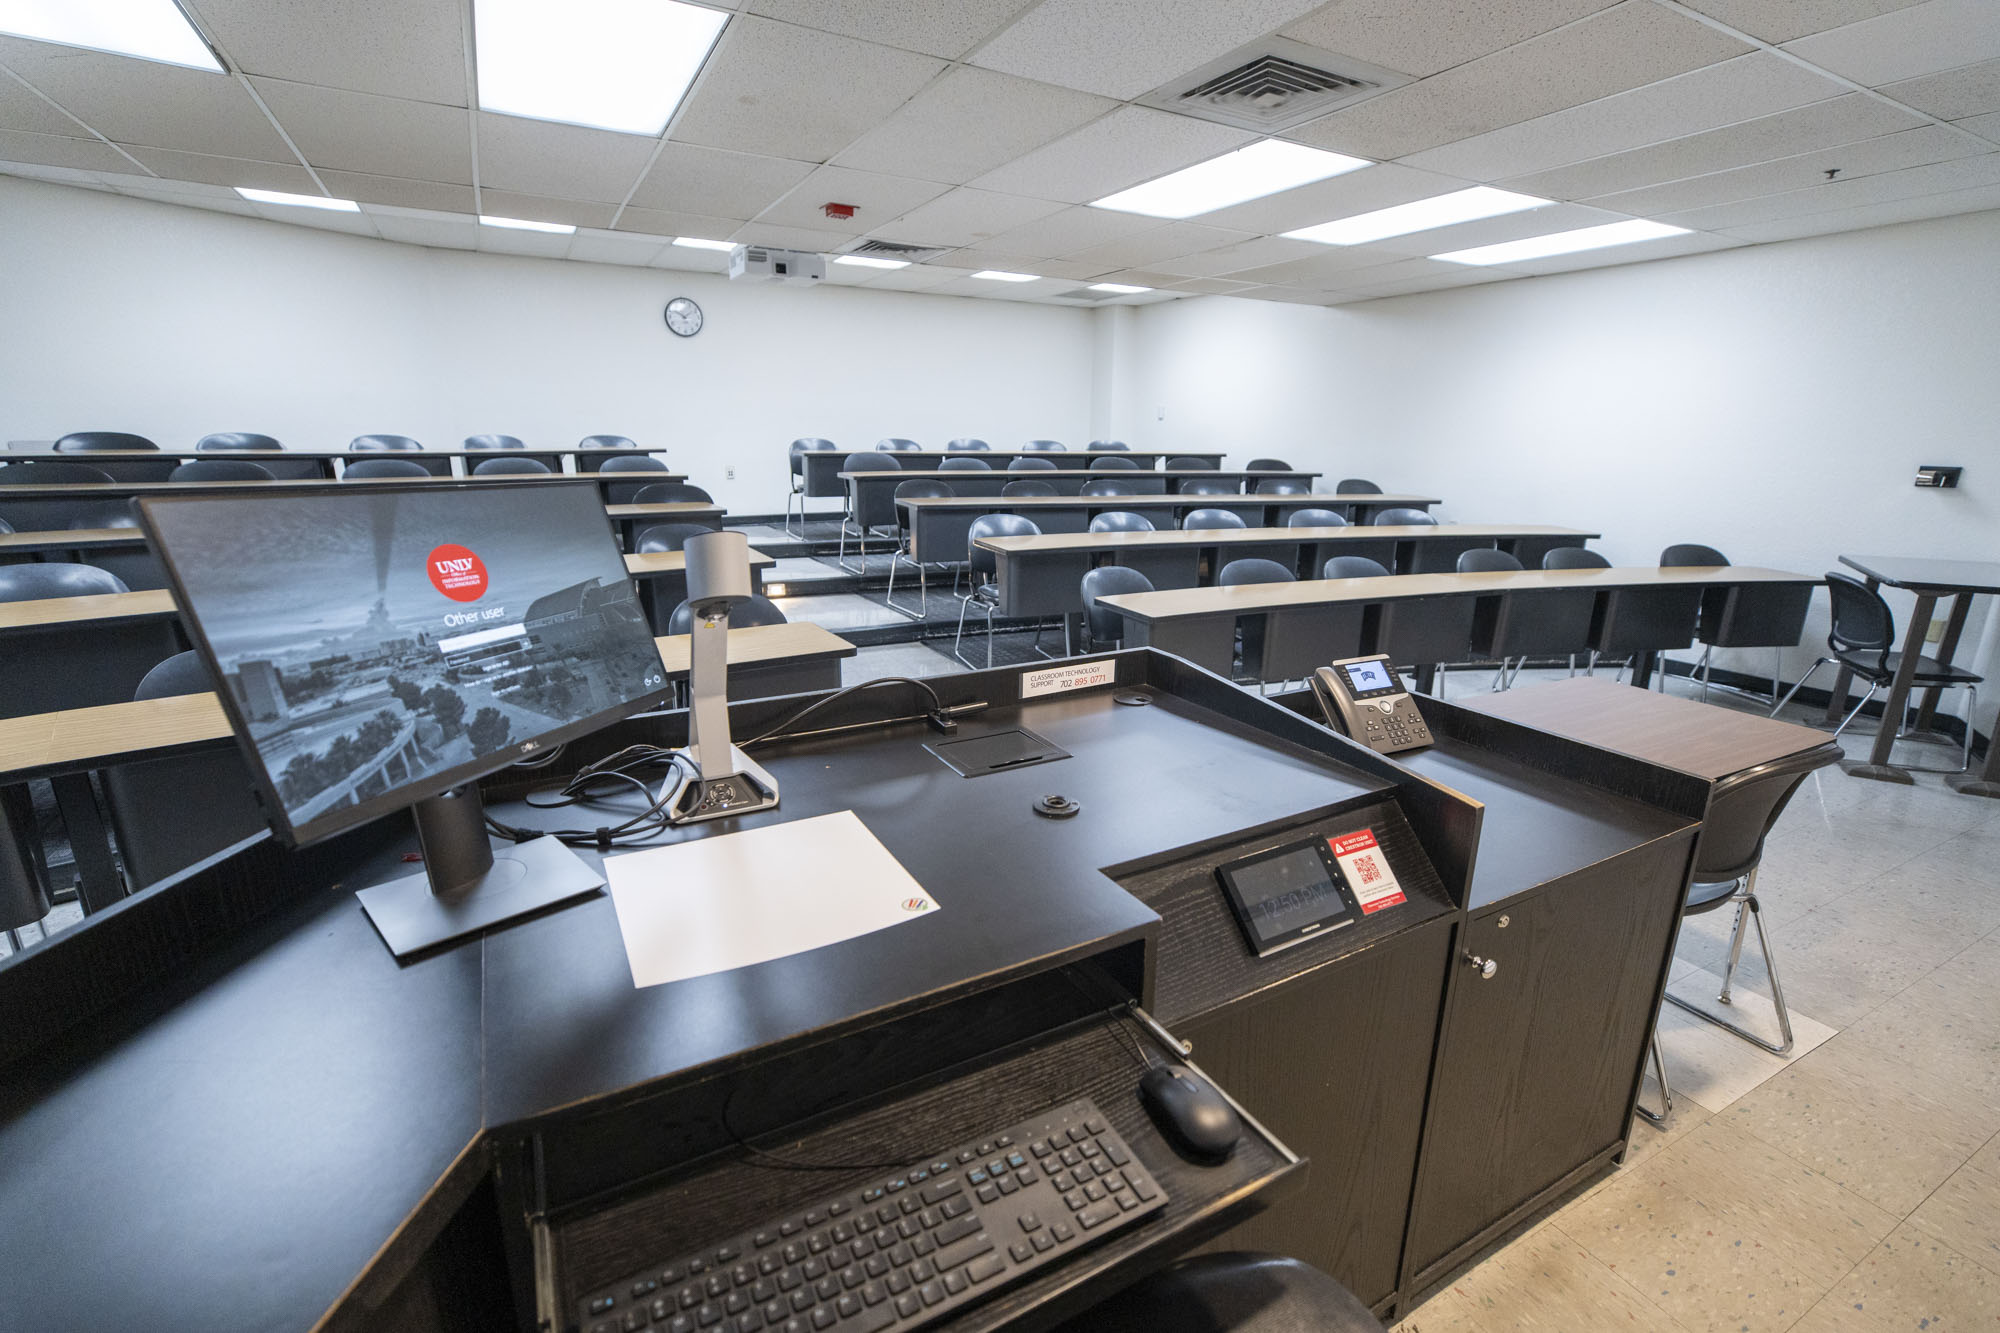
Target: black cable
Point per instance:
(777, 732)
(615, 768)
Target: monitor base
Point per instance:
(525, 877)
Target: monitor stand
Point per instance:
(466, 885)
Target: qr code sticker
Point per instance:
(1366, 869)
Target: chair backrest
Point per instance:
(671, 493)
(1573, 557)
(1121, 520)
(234, 439)
(51, 474)
(1107, 581)
(964, 465)
(669, 536)
(376, 444)
(1685, 554)
(1015, 488)
(180, 674)
(1283, 486)
(1109, 486)
(495, 442)
(103, 514)
(1254, 570)
(897, 446)
(1315, 518)
(633, 463)
(220, 469)
(1190, 463)
(1046, 446)
(1269, 465)
(1400, 517)
(966, 443)
(1743, 807)
(1211, 518)
(920, 488)
(382, 467)
(871, 463)
(1862, 621)
(1109, 444)
(618, 442)
(1353, 567)
(1487, 560)
(1022, 464)
(5, 526)
(1113, 463)
(1209, 486)
(812, 445)
(33, 583)
(754, 611)
(503, 467)
(93, 441)
(1357, 486)
(994, 525)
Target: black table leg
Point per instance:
(98, 883)
(1947, 649)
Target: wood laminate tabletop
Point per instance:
(87, 490)
(666, 509)
(907, 474)
(45, 612)
(675, 562)
(1939, 576)
(66, 539)
(1029, 503)
(754, 645)
(1116, 541)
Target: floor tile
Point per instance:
(1964, 1212)
(1645, 1139)
(1946, 1029)
(1910, 1281)
(839, 611)
(794, 571)
(1711, 1067)
(1545, 1280)
(896, 659)
(1724, 1232)
(1445, 1312)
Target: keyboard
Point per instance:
(908, 1250)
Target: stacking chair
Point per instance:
(1238, 1291)
(99, 514)
(1269, 465)
(1113, 463)
(1745, 616)
(136, 566)
(1101, 623)
(1282, 486)
(1018, 488)
(220, 469)
(986, 594)
(1353, 567)
(671, 493)
(495, 442)
(5, 526)
(52, 474)
(626, 492)
(1046, 446)
(1254, 569)
(1121, 520)
(1742, 809)
(362, 469)
(967, 443)
(1109, 486)
(1542, 622)
(1573, 557)
(1863, 639)
(917, 488)
(897, 445)
(798, 490)
(1315, 518)
(47, 512)
(1018, 465)
(54, 578)
(223, 441)
(613, 442)
(742, 615)
(1357, 486)
(964, 465)
(383, 444)
(97, 441)
(1200, 519)
(668, 536)
(1210, 486)
(1399, 517)
(1487, 560)
(1097, 445)
(866, 508)
(1190, 463)
(509, 467)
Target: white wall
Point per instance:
(120, 314)
(1773, 401)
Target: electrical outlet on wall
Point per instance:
(1162, 414)
(729, 474)
(1934, 633)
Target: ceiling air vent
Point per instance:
(915, 254)
(1273, 85)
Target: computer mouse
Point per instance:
(1188, 1109)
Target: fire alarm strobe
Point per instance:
(838, 210)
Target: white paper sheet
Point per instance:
(712, 904)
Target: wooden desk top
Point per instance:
(1665, 729)
(754, 644)
(109, 734)
(1172, 602)
(1899, 571)
(907, 474)
(53, 455)
(47, 611)
(86, 490)
(668, 509)
(1115, 541)
(675, 562)
(1020, 502)
(71, 539)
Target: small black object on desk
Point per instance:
(1198, 1119)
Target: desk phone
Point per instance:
(1363, 697)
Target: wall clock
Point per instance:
(683, 317)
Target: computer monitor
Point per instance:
(382, 648)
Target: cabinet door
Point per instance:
(1538, 1061)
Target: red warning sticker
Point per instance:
(1367, 870)
(457, 573)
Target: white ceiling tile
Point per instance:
(1493, 231)
(918, 277)
(319, 219)
(230, 171)
(1947, 204)
(976, 259)
(1822, 125)
(1987, 127)
(129, 181)
(1666, 247)
(1888, 152)
(534, 244)
(1288, 296)
(146, 102)
(1130, 145)
(380, 136)
(400, 192)
(1423, 39)
(1123, 48)
(1782, 20)
(666, 222)
(1235, 258)
(566, 161)
(1209, 286)
(1355, 192)
(938, 29)
(54, 150)
(1923, 39)
(784, 91)
(877, 199)
(594, 246)
(813, 239)
(1324, 269)
(965, 216)
(395, 48)
(1071, 229)
(1169, 242)
(688, 178)
(413, 227)
(690, 261)
(542, 208)
(1936, 178)
(968, 123)
(1758, 84)
(89, 180)
(1623, 47)
(235, 203)
(1969, 90)
(22, 109)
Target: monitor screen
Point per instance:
(1366, 676)
(1282, 896)
(377, 646)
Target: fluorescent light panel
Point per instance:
(1441, 210)
(148, 29)
(618, 65)
(700, 243)
(1248, 173)
(870, 261)
(1564, 242)
(996, 275)
(1122, 288)
(298, 200)
(525, 224)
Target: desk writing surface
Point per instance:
(1901, 571)
(754, 644)
(1030, 503)
(52, 454)
(78, 737)
(71, 538)
(1115, 541)
(663, 509)
(1236, 474)
(84, 490)
(47, 611)
(675, 562)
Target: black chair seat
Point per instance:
(1882, 668)
(1707, 897)
(1242, 1293)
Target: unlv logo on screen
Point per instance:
(457, 573)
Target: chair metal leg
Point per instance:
(1499, 677)
(1658, 1117)
(963, 607)
(1735, 952)
(1702, 668)
(1856, 711)
(1750, 904)
(1801, 685)
(896, 558)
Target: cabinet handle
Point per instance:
(1487, 966)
